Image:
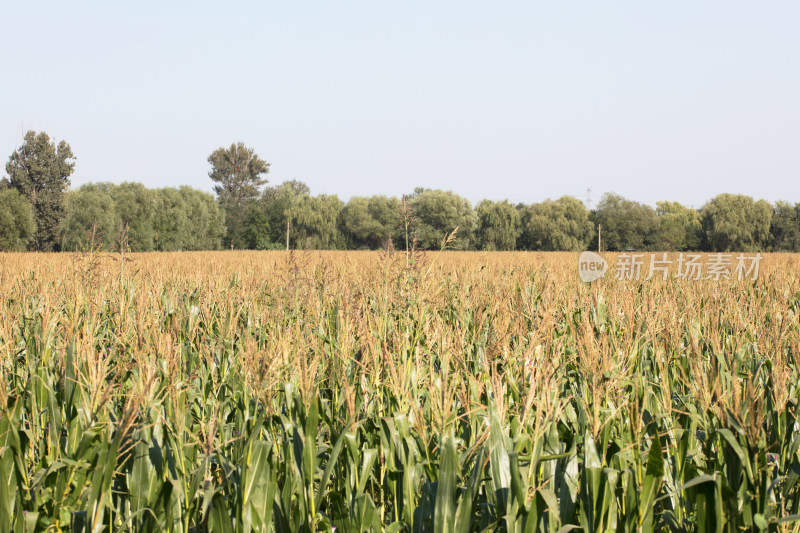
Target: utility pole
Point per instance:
(599, 229)
(288, 225)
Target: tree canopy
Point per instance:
(679, 227)
(735, 222)
(165, 219)
(561, 224)
(17, 224)
(368, 222)
(238, 175)
(38, 212)
(498, 225)
(437, 213)
(40, 171)
(626, 224)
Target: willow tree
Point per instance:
(498, 225)
(556, 225)
(437, 213)
(735, 222)
(626, 224)
(367, 222)
(17, 224)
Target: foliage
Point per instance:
(734, 222)
(437, 213)
(40, 170)
(205, 225)
(157, 219)
(17, 224)
(679, 227)
(367, 222)
(135, 205)
(626, 224)
(238, 173)
(90, 216)
(257, 233)
(312, 221)
(551, 225)
(498, 225)
(785, 227)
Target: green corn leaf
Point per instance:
(651, 485)
(445, 506)
(219, 521)
(498, 459)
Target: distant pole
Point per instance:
(287, 234)
(599, 229)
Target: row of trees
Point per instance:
(261, 218)
(38, 212)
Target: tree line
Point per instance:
(39, 212)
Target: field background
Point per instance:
(451, 391)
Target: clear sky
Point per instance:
(676, 100)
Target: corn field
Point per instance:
(393, 391)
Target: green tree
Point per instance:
(498, 225)
(556, 225)
(368, 222)
(625, 223)
(170, 221)
(258, 234)
(17, 224)
(205, 222)
(679, 227)
(315, 222)
(238, 174)
(280, 204)
(735, 222)
(785, 227)
(187, 219)
(40, 171)
(437, 213)
(90, 215)
(135, 205)
(311, 220)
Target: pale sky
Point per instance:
(677, 100)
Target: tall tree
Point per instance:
(679, 227)
(90, 216)
(437, 213)
(735, 222)
(135, 205)
(16, 221)
(206, 225)
(785, 227)
(315, 222)
(498, 225)
(556, 225)
(368, 222)
(40, 171)
(238, 173)
(170, 222)
(625, 223)
(281, 204)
